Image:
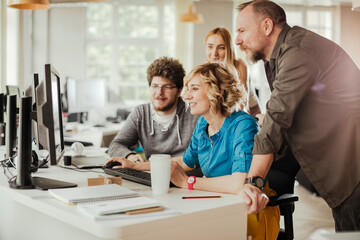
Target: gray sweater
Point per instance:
(141, 127)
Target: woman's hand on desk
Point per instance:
(178, 175)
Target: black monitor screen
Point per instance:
(14, 90)
(49, 115)
(57, 115)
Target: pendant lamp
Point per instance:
(29, 4)
(356, 5)
(191, 16)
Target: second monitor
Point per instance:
(49, 115)
(85, 95)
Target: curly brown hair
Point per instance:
(223, 85)
(169, 68)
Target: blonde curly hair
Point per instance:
(223, 87)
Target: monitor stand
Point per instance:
(24, 179)
(42, 183)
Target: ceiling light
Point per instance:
(356, 5)
(191, 16)
(29, 4)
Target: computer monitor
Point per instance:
(84, 95)
(2, 123)
(49, 115)
(14, 90)
(11, 128)
(30, 91)
(2, 107)
(49, 118)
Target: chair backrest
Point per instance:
(280, 181)
(281, 177)
(282, 173)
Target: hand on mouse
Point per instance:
(142, 166)
(125, 163)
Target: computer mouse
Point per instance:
(111, 164)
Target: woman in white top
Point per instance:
(219, 49)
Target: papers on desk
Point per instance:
(117, 206)
(92, 193)
(117, 216)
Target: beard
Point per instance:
(256, 56)
(253, 56)
(166, 107)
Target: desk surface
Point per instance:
(89, 133)
(222, 218)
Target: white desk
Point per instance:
(99, 136)
(32, 214)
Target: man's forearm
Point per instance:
(260, 165)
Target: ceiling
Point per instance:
(290, 2)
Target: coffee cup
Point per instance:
(160, 169)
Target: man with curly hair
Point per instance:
(162, 126)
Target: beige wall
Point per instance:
(215, 13)
(350, 32)
(59, 39)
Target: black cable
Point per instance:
(79, 169)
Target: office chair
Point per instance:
(281, 177)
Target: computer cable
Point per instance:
(79, 169)
(5, 167)
(9, 160)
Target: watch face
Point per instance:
(259, 182)
(191, 180)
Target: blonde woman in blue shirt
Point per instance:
(221, 144)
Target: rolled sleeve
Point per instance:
(243, 145)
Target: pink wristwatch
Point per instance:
(191, 181)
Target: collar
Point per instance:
(222, 130)
(280, 40)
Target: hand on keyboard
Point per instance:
(135, 158)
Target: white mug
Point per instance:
(160, 169)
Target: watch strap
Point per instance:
(191, 180)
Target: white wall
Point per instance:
(184, 36)
(59, 39)
(67, 28)
(2, 45)
(350, 32)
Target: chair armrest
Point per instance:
(286, 198)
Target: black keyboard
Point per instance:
(132, 175)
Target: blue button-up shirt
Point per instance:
(227, 151)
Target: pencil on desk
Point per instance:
(199, 197)
(144, 210)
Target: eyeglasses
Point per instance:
(165, 88)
